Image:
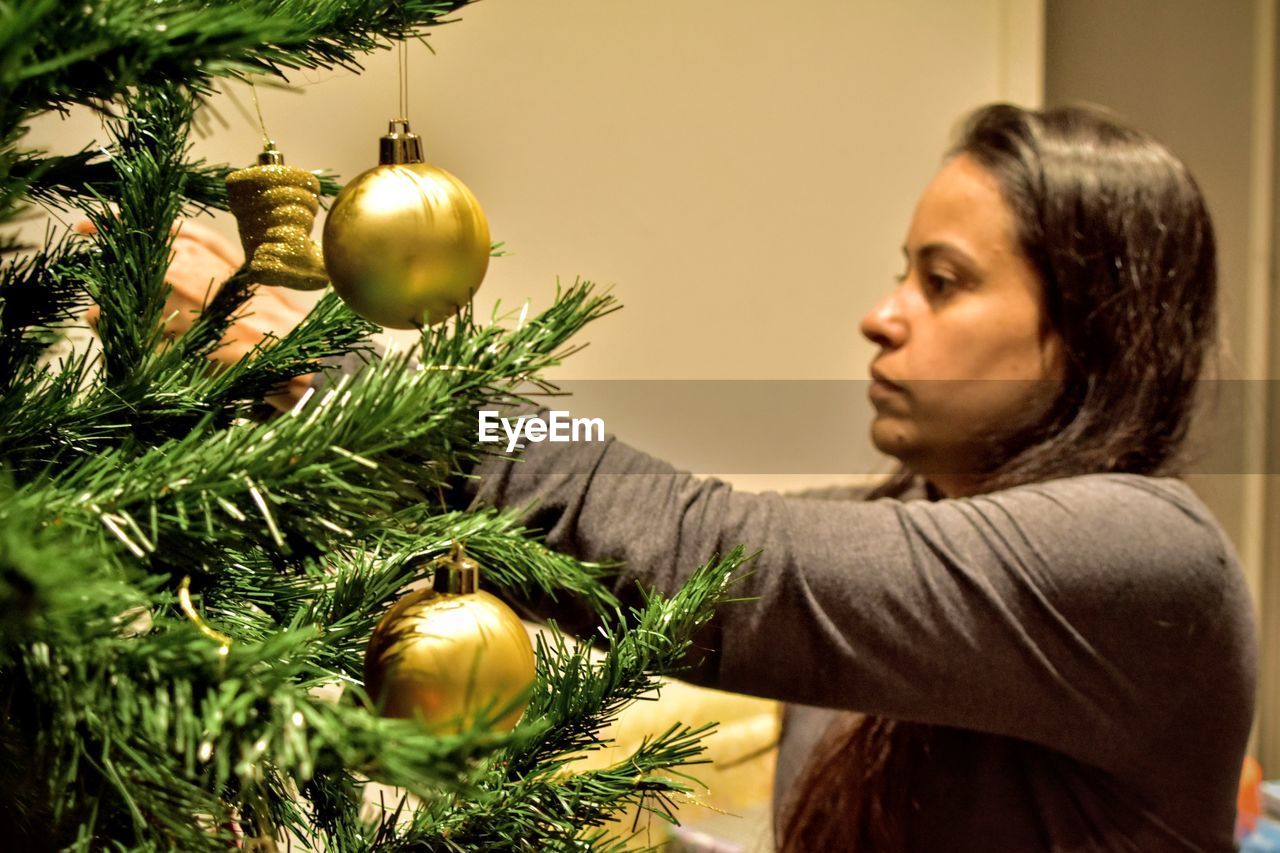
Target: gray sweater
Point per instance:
(1086, 645)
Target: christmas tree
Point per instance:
(186, 575)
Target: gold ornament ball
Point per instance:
(449, 659)
(406, 245)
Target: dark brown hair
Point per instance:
(1120, 236)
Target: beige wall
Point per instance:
(741, 171)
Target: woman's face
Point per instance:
(966, 353)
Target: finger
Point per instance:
(194, 271)
(273, 314)
(91, 315)
(189, 230)
(213, 242)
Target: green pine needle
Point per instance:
(132, 718)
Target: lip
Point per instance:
(882, 380)
(883, 388)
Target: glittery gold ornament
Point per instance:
(450, 654)
(406, 243)
(275, 206)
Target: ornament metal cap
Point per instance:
(399, 146)
(456, 574)
(271, 156)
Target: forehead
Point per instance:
(963, 205)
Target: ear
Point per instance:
(1053, 354)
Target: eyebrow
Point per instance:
(950, 251)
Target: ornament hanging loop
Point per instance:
(456, 573)
(270, 155)
(400, 145)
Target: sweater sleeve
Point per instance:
(1057, 612)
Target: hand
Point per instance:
(203, 259)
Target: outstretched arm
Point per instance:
(1059, 612)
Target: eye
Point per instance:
(939, 283)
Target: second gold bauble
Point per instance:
(406, 243)
(450, 659)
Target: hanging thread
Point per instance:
(402, 78)
(266, 137)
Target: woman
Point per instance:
(1034, 637)
(1054, 647)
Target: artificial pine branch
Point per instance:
(39, 293)
(55, 54)
(142, 731)
(531, 800)
(47, 577)
(201, 726)
(347, 591)
(69, 181)
(201, 723)
(346, 458)
(577, 695)
(126, 275)
(524, 568)
(329, 330)
(41, 421)
(174, 389)
(569, 813)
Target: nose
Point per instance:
(885, 325)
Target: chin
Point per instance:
(894, 438)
